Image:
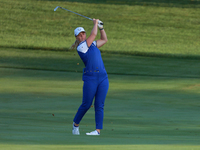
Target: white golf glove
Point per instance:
(100, 24)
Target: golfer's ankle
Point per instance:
(76, 125)
(98, 130)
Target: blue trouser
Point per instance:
(97, 88)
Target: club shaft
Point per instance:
(75, 13)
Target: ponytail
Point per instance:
(76, 43)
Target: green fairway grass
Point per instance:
(166, 3)
(151, 57)
(154, 107)
(133, 29)
(139, 111)
(115, 64)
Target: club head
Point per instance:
(56, 8)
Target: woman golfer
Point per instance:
(94, 76)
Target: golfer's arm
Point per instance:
(92, 36)
(103, 39)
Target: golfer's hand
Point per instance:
(95, 21)
(100, 24)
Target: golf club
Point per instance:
(76, 13)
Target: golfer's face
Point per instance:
(81, 37)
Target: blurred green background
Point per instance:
(133, 29)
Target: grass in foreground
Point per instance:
(155, 111)
(105, 147)
(146, 112)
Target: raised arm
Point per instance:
(93, 34)
(103, 38)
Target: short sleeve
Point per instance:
(95, 43)
(82, 47)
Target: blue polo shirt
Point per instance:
(91, 57)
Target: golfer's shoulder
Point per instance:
(82, 47)
(95, 43)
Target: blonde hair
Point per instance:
(75, 44)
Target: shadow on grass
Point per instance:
(165, 3)
(29, 120)
(128, 53)
(145, 115)
(66, 62)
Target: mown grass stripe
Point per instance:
(111, 73)
(133, 53)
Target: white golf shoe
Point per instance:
(93, 133)
(75, 130)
